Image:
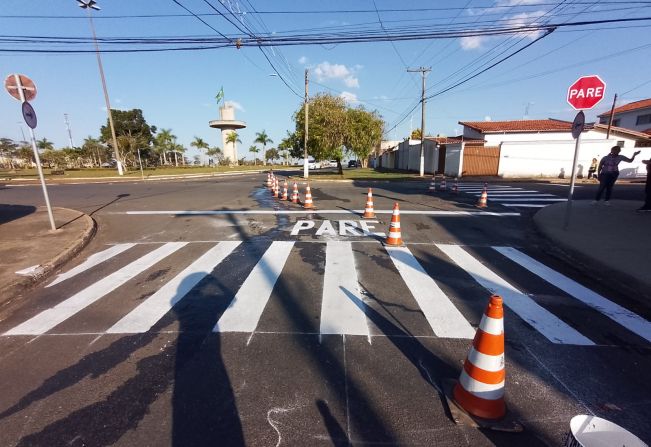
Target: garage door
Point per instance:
(480, 160)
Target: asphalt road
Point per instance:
(196, 317)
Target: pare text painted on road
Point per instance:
(345, 228)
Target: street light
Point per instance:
(89, 5)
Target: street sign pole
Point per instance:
(577, 129)
(36, 157)
(142, 173)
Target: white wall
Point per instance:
(494, 139)
(550, 158)
(454, 159)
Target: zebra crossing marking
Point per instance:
(50, 318)
(553, 328)
(92, 261)
(143, 317)
(615, 312)
(244, 311)
(341, 314)
(318, 212)
(444, 318)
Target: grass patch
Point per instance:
(131, 173)
(364, 174)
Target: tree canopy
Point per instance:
(131, 130)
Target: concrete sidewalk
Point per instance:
(28, 246)
(611, 243)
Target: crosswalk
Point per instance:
(512, 196)
(445, 286)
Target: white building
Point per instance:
(228, 125)
(635, 116)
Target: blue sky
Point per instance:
(176, 89)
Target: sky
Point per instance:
(176, 89)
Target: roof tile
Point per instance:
(642, 104)
(548, 125)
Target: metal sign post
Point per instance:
(577, 129)
(17, 90)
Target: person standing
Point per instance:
(647, 189)
(593, 169)
(608, 172)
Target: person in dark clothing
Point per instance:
(647, 190)
(608, 172)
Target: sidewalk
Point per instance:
(613, 243)
(27, 244)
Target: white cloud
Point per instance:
(234, 104)
(517, 2)
(520, 19)
(325, 70)
(487, 118)
(349, 97)
(472, 42)
(302, 60)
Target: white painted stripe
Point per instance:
(92, 261)
(443, 317)
(312, 211)
(525, 205)
(532, 199)
(537, 316)
(494, 326)
(48, 319)
(143, 317)
(340, 306)
(615, 312)
(524, 196)
(492, 363)
(509, 192)
(487, 391)
(244, 312)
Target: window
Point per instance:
(603, 120)
(620, 143)
(643, 119)
(616, 122)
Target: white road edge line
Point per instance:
(342, 211)
(549, 325)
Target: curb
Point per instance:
(20, 285)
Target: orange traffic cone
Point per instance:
(369, 212)
(480, 389)
(276, 189)
(432, 185)
(295, 193)
(285, 196)
(455, 186)
(444, 186)
(395, 236)
(483, 198)
(308, 198)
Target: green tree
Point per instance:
(215, 152)
(327, 121)
(96, 150)
(263, 139)
(292, 144)
(163, 143)
(233, 138)
(254, 150)
(200, 144)
(25, 154)
(44, 144)
(363, 132)
(415, 134)
(132, 126)
(8, 149)
(271, 154)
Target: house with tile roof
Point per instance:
(634, 115)
(536, 148)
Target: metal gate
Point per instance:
(480, 160)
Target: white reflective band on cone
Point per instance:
(394, 234)
(492, 326)
(479, 389)
(492, 363)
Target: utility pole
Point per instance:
(422, 71)
(305, 106)
(610, 120)
(65, 116)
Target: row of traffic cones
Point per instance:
(433, 186)
(274, 185)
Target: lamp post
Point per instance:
(89, 5)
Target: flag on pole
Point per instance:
(220, 95)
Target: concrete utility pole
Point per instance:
(306, 172)
(422, 71)
(65, 116)
(612, 114)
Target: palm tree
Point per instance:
(200, 144)
(162, 142)
(45, 144)
(263, 139)
(233, 138)
(254, 150)
(214, 152)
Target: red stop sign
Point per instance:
(586, 92)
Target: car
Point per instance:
(313, 165)
(354, 164)
(329, 164)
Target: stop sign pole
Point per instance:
(585, 93)
(23, 93)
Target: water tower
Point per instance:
(228, 124)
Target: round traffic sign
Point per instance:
(29, 114)
(578, 124)
(16, 82)
(586, 92)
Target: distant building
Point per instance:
(634, 115)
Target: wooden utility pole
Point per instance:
(610, 120)
(422, 71)
(305, 106)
